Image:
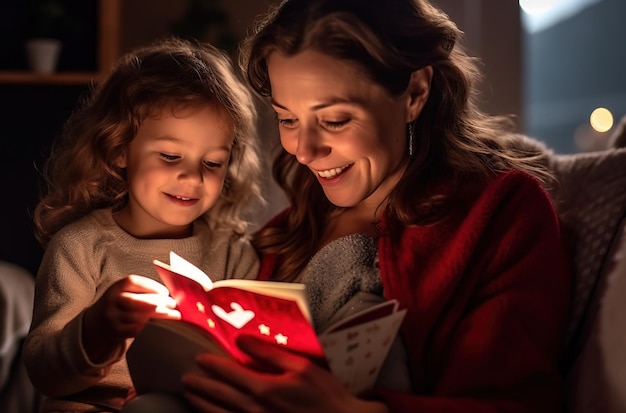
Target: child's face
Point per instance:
(176, 166)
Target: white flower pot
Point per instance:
(43, 54)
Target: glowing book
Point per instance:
(215, 314)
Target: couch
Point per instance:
(590, 198)
(17, 288)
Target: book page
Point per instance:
(184, 268)
(357, 347)
(286, 290)
(293, 291)
(374, 312)
(181, 266)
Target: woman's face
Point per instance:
(348, 130)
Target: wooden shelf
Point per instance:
(107, 44)
(58, 78)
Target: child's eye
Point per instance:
(212, 165)
(169, 158)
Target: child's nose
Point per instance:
(192, 174)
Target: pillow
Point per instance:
(17, 288)
(591, 202)
(618, 137)
(590, 198)
(612, 334)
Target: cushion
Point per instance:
(590, 198)
(591, 202)
(618, 137)
(612, 335)
(17, 288)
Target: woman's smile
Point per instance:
(333, 172)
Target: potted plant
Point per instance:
(45, 20)
(207, 21)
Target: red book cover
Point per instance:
(229, 310)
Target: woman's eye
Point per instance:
(169, 158)
(335, 124)
(287, 123)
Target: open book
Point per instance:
(214, 314)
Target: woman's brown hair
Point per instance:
(386, 40)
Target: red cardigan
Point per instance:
(487, 294)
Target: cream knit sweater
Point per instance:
(79, 264)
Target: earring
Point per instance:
(411, 138)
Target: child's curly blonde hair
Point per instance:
(81, 174)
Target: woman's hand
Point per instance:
(297, 386)
(122, 311)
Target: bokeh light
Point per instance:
(601, 120)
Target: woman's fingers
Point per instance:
(272, 356)
(209, 393)
(299, 386)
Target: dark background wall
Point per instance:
(31, 117)
(492, 32)
(549, 81)
(33, 113)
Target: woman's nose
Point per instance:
(311, 146)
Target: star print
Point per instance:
(200, 306)
(263, 329)
(210, 323)
(281, 339)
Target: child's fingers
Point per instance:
(145, 284)
(139, 301)
(150, 304)
(164, 312)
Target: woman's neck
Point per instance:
(347, 221)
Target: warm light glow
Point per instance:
(601, 120)
(542, 14)
(537, 6)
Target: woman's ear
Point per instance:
(418, 91)
(121, 161)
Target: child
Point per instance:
(160, 157)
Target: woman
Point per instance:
(386, 154)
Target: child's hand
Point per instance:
(122, 311)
